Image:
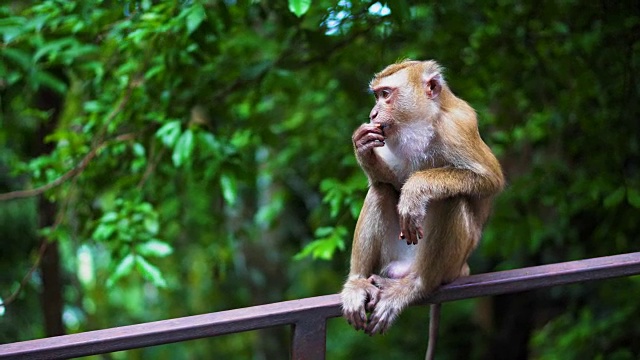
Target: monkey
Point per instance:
(432, 181)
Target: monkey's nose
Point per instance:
(373, 114)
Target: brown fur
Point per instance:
(430, 174)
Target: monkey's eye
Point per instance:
(383, 93)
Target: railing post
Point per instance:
(308, 341)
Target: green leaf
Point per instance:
(150, 272)
(195, 17)
(229, 188)
(111, 216)
(323, 231)
(355, 206)
(184, 148)
(241, 138)
(50, 81)
(138, 149)
(151, 223)
(169, 133)
(615, 198)
(155, 70)
(54, 47)
(299, 7)
(103, 232)
(123, 269)
(18, 56)
(633, 197)
(324, 248)
(208, 141)
(12, 27)
(271, 210)
(155, 248)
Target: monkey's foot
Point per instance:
(384, 314)
(381, 282)
(357, 296)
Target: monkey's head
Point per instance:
(406, 92)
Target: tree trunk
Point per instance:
(513, 321)
(51, 297)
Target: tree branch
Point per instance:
(14, 295)
(19, 194)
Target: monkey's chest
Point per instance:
(396, 163)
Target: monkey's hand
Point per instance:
(365, 138)
(411, 212)
(358, 296)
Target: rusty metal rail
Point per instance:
(308, 316)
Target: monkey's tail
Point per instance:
(434, 324)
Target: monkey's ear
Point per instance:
(433, 85)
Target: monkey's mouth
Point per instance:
(382, 126)
(385, 127)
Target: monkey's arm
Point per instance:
(437, 184)
(441, 183)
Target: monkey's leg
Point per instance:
(371, 230)
(440, 257)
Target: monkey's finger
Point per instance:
(355, 319)
(375, 326)
(369, 137)
(419, 235)
(404, 237)
(373, 301)
(379, 126)
(411, 236)
(368, 142)
(367, 129)
(350, 320)
(408, 227)
(368, 145)
(371, 305)
(382, 127)
(416, 231)
(415, 238)
(362, 319)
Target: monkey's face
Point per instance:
(398, 101)
(384, 109)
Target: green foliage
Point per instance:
(591, 332)
(329, 239)
(299, 7)
(130, 231)
(196, 147)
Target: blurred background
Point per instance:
(186, 157)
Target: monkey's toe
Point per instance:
(381, 318)
(372, 298)
(357, 319)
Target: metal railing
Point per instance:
(308, 316)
